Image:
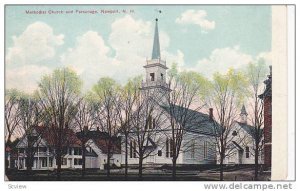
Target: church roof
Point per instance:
(156, 45)
(243, 110)
(197, 122)
(249, 129)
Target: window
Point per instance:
(247, 152)
(159, 153)
(134, 149)
(193, 149)
(63, 161)
(50, 162)
(70, 151)
(130, 150)
(162, 76)
(149, 122)
(77, 151)
(171, 148)
(153, 123)
(65, 150)
(205, 149)
(167, 147)
(21, 150)
(44, 162)
(152, 77)
(234, 133)
(43, 149)
(77, 161)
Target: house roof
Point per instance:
(248, 128)
(49, 135)
(103, 143)
(196, 122)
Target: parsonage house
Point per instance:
(198, 141)
(241, 146)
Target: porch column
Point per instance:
(38, 158)
(47, 158)
(18, 164)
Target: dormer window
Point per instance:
(152, 76)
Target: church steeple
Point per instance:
(156, 70)
(243, 114)
(156, 45)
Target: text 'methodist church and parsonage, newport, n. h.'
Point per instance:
(198, 144)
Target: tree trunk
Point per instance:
(58, 163)
(174, 169)
(126, 156)
(140, 167)
(222, 166)
(256, 162)
(108, 164)
(83, 158)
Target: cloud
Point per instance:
(131, 42)
(121, 56)
(221, 59)
(36, 45)
(30, 56)
(196, 17)
(267, 56)
(25, 78)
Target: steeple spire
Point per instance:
(156, 46)
(243, 114)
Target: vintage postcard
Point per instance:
(145, 92)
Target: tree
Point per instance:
(186, 87)
(58, 94)
(30, 116)
(255, 73)
(125, 110)
(11, 113)
(106, 94)
(83, 121)
(146, 124)
(226, 95)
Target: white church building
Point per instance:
(198, 146)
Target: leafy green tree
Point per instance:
(186, 88)
(255, 73)
(125, 110)
(58, 95)
(226, 95)
(106, 96)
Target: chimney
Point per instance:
(85, 128)
(211, 113)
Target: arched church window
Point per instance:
(247, 152)
(152, 76)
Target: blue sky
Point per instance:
(201, 38)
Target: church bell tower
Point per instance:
(156, 70)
